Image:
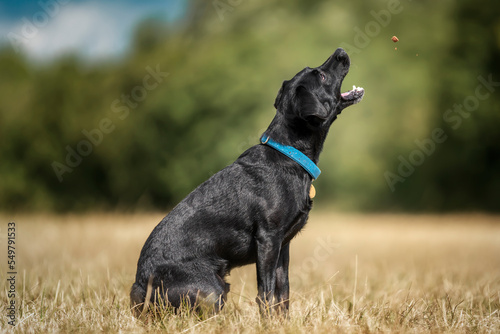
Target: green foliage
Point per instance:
(155, 138)
(465, 173)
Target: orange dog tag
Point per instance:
(312, 191)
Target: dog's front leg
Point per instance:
(268, 250)
(282, 290)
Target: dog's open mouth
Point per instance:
(353, 96)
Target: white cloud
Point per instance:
(91, 29)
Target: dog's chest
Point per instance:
(297, 224)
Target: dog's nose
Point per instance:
(341, 56)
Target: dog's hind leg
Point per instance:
(191, 286)
(209, 295)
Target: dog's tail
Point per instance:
(140, 298)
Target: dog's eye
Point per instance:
(322, 76)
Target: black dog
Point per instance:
(249, 211)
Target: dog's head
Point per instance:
(313, 95)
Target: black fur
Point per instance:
(249, 211)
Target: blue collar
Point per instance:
(293, 154)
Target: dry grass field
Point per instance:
(349, 274)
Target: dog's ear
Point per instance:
(280, 94)
(308, 104)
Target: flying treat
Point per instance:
(395, 39)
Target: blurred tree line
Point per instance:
(142, 131)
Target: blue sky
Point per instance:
(45, 29)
